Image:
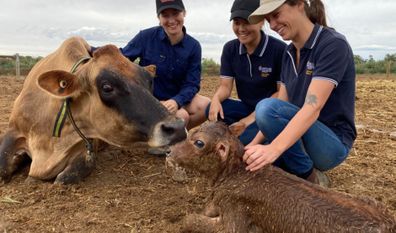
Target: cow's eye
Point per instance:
(107, 88)
(199, 144)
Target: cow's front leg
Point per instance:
(9, 160)
(80, 167)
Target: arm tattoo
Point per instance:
(311, 99)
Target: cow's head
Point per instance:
(112, 100)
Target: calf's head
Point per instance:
(112, 100)
(211, 149)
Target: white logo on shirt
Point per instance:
(265, 71)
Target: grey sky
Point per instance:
(37, 27)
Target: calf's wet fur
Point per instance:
(268, 200)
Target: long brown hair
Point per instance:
(314, 9)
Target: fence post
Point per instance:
(17, 66)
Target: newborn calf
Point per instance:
(269, 200)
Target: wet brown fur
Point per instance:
(269, 200)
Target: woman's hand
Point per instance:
(171, 105)
(257, 156)
(215, 110)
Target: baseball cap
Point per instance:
(243, 8)
(266, 7)
(166, 4)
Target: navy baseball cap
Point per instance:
(243, 8)
(166, 4)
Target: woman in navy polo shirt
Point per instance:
(177, 56)
(253, 60)
(310, 126)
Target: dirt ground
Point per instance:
(130, 192)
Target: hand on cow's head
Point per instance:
(58, 83)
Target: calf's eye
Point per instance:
(199, 144)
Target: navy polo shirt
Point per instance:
(255, 75)
(178, 72)
(326, 56)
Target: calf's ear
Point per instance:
(237, 128)
(151, 69)
(59, 83)
(222, 150)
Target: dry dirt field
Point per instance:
(130, 192)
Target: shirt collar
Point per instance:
(163, 36)
(312, 40)
(259, 51)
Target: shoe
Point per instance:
(158, 151)
(319, 178)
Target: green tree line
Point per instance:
(371, 66)
(212, 68)
(363, 66)
(7, 65)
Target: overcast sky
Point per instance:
(37, 27)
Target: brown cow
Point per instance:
(110, 100)
(269, 200)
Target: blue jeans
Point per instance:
(318, 148)
(235, 110)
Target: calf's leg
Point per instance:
(198, 223)
(211, 210)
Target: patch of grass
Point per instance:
(9, 200)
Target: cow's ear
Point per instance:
(151, 69)
(222, 150)
(237, 128)
(59, 83)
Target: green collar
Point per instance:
(62, 114)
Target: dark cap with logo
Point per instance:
(243, 8)
(166, 4)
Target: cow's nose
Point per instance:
(175, 130)
(168, 128)
(168, 132)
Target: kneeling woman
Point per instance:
(310, 126)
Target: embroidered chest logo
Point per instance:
(310, 67)
(265, 71)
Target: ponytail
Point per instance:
(314, 9)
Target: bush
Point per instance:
(210, 67)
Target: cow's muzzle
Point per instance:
(168, 132)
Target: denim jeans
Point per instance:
(318, 148)
(235, 110)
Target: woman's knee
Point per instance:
(201, 103)
(266, 110)
(183, 114)
(198, 104)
